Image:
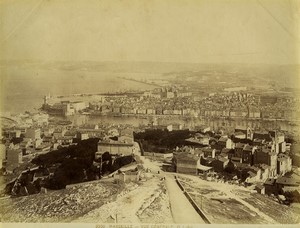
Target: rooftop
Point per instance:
(248, 148)
(223, 139)
(222, 159)
(186, 156)
(226, 150)
(240, 145)
(269, 181)
(287, 181)
(239, 133)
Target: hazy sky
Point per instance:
(227, 31)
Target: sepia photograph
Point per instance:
(149, 113)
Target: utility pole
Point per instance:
(100, 168)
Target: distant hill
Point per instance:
(288, 74)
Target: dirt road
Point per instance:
(130, 205)
(182, 210)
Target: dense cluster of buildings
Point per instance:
(232, 105)
(260, 158)
(21, 143)
(180, 101)
(254, 157)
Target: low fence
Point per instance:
(83, 183)
(194, 204)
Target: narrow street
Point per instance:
(181, 208)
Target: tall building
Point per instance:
(33, 133)
(14, 158)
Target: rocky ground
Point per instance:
(58, 206)
(98, 201)
(145, 202)
(280, 213)
(157, 208)
(225, 203)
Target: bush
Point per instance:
(84, 149)
(162, 140)
(75, 163)
(293, 197)
(121, 161)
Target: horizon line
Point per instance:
(142, 61)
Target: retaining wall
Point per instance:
(198, 209)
